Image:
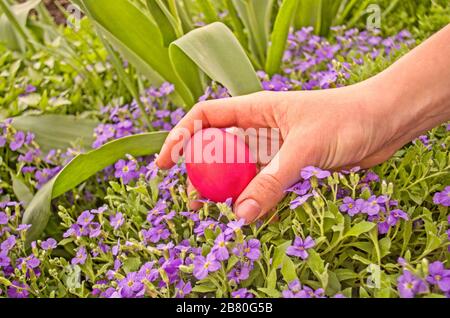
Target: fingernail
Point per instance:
(248, 210)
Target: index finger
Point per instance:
(243, 111)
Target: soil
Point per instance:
(55, 12)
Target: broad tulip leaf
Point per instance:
(256, 17)
(80, 169)
(279, 35)
(166, 28)
(57, 131)
(309, 13)
(136, 36)
(8, 34)
(217, 52)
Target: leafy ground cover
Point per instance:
(128, 232)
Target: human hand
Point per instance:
(330, 129)
(359, 125)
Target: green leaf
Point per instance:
(256, 16)
(385, 246)
(288, 270)
(137, 37)
(187, 70)
(167, 31)
(206, 288)
(279, 36)
(271, 292)
(8, 33)
(21, 190)
(208, 10)
(317, 266)
(309, 13)
(132, 264)
(315, 262)
(236, 23)
(58, 131)
(360, 228)
(80, 169)
(279, 254)
(217, 52)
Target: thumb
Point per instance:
(267, 189)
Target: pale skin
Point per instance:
(360, 125)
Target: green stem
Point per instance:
(426, 178)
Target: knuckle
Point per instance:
(269, 185)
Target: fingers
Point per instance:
(266, 190)
(222, 113)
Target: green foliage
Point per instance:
(80, 169)
(13, 20)
(57, 131)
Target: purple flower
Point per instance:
(49, 244)
(17, 143)
(300, 188)
(372, 206)
(300, 247)
(442, 198)
(234, 226)
(249, 249)
(203, 266)
(203, 225)
(30, 89)
(116, 220)
(294, 288)
(176, 116)
(383, 227)
(45, 175)
(23, 227)
(370, 177)
(4, 259)
(395, 215)
(125, 170)
(95, 229)
(310, 171)
(156, 234)
(220, 249)
(100, 210)
(409, 285)
(308, 292)
(239, 272)
(147, 272)
(8, 244)
(299, 201)
(183, 289)
(2, 141)
(152, 170)
(31, 262)
(18, 290)
(85, 218)
(130, 285)
(3, 218)
(80, 257)
(438, 275)
(242, 293)
(352, 207)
